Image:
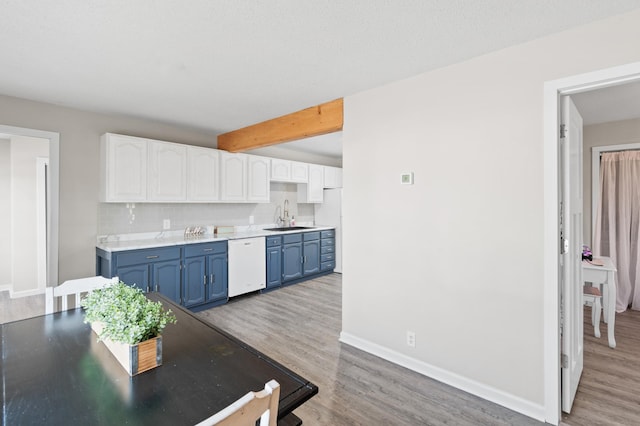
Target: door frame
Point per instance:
(53, 189)
(553, 90)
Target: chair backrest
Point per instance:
(77, 287)
(247, 410)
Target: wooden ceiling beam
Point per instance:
(314, 121)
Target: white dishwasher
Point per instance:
(247, 265)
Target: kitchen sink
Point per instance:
(288, 228)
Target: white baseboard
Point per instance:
(25, 293)
(6, 287)
(481, 390)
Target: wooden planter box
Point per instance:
(134, 358)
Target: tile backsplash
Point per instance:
(121, 218)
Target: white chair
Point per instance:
(247, 410)
(592, 296)
(77, 287)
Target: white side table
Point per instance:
(604, 275)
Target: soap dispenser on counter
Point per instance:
(293, 221)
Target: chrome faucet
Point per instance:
(285, 213)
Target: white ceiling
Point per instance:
(610, 104)
(220, 65)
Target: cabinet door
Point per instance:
(166, 279)
(123, 168)
(194, 290)
(274, 267)
(299, 172)
(203, 174)
(167, 178)
(258, 183)
(311, 253)
(291, 261)
(280, 170)
(233, 176)
(312, 192)
(218, 280)
(135, 276)
(332, 177)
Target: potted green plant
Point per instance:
(129, 324)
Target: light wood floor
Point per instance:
(20, 307)
(299, 326)
(609, 390)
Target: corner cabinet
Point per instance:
(154, 269)
(123, 168)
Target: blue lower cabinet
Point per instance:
(218, 280)
(156, 269)
(205, 274)
(274, 262)
(311, 256)
(166, 279)
(292, 261)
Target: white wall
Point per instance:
(24, 154)
(5, 214)
(458, 257)
(604, 134)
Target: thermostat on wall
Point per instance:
(406, 178)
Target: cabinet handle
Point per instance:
(301, 259)
(204, 280)
(208, 249)
(212, 278)
(152, 257)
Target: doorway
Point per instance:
(553, 91)
(44, 172)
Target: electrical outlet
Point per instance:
(166, 224)
(250, 220)
(411, 339)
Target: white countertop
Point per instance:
(165, 239)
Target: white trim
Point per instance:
(54, 178)
(595, 176)
(25, 293)
(42, 164)
(6, 287)
(552, 91)
(447, 377)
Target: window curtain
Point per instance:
(618, 222)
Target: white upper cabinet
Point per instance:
(289, 171)
(299, 172)
(258, 182)
(312, 192)
(233, 172)
(167, 171)
(203, 174)
(280, 170)
(332, 177)
(123, 168)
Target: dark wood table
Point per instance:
(54, 372)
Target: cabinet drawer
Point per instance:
(311, 236)
(326, 242)
(327, 257)
(205, 249)
(327, 266)
(331, 233)
(274, 241)
(136, 257)
(327, 249)
(291, 238)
